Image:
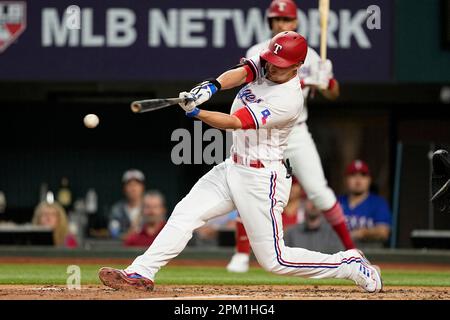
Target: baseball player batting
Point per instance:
(253, 180)
(315, 75)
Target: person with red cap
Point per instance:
(315, 76)
(368, 215)
(254, 179)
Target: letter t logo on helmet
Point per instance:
(281, 6)
(286, 49)
(277, 48)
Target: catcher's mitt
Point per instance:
(440, 181)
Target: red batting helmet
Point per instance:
(282, 8)
(285, 49)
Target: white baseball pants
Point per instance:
(259, 195)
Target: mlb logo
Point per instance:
(265, 114)
(12, 22)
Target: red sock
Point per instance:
(242, 242)
(335, 217)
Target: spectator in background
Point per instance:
(153, 220)
(53, 216)
(368, 215)
(125, 215)
(313, 234)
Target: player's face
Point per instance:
(134, 190)
(312, 215)
(358, 183)
(281, 24)
(49, 218)
(153, 207)
(280, 75)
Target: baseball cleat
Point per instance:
(121, 280)
(239, 263)
(367, 275)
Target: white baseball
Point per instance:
(91, 121)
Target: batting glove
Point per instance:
(324, 74)
(189, 104)
(319, 75)
(198, 95)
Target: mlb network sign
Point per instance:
(173, 40)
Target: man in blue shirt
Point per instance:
(368, 215)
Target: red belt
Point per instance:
(253, 163)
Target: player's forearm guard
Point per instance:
(215, 83)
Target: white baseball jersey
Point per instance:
(270, 108)
(312, 58)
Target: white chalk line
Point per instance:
(197, 297)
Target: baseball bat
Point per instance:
(324, 9)
(154, 104)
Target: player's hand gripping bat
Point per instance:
(154, 104)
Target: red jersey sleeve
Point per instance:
(247, 120)
(250, 74)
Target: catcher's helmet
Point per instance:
(285, 49)
(282, 8)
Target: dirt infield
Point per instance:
(197, 292)
(194, 292)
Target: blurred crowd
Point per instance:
(137, 218)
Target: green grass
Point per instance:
(47, 274)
